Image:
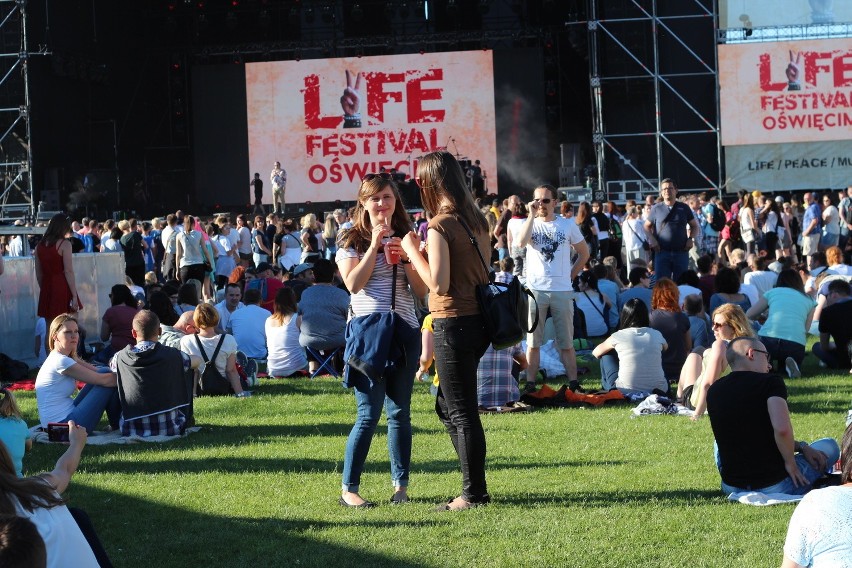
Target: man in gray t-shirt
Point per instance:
(323, 308)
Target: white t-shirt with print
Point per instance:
(549, 254)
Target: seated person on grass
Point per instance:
(835, 323)
(248, 324)
(154, 382)
(323, 309)
(820, 531)
(703, 367)
(699, 325)
(756, 450)
(496, 385)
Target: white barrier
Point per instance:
(95, 274)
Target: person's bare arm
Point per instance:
(787, 563)
(67, 463)
(779, 415)
(525, 234)
(84, 372)
(582, 249)
(68, 269)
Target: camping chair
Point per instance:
(325, 361)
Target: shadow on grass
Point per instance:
(616, 497)
(163, 535)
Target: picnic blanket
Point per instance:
(656, 404)
(114, 437)
(758, 499)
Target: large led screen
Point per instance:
(778, 92)
(764, 13)
(398, 107)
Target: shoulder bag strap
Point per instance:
(596, 308)
(632, 230)
(475, 246)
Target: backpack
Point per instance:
(734, 227)
(717, 221)
(258, 284)
(211, 382)
(615, 230)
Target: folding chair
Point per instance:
(326, 361)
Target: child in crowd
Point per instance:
(507, 266)
(699, 324)
(13, 430)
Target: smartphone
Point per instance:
(58, 432)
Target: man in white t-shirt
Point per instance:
(244, 245)
(248, 326)
(548, 239)
(231, 303)
(169, 239)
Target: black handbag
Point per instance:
(504, 307)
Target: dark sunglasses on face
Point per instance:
(545, 200)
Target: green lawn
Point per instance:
(258, 486)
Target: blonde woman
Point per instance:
(310, 242)
(329, 235)
(701, 370)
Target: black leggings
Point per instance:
(88, 530)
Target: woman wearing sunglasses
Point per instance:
(451, 271)
(703, 369)
(366, 258)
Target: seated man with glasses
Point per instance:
(755, 447)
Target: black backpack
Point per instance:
(12, 370)
(211, 382)
(580, 331)
(717, 221)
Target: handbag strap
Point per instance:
(215, 351)
(596, 308)
(488, 273)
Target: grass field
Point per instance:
(258, 486)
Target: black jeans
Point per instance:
(459, 344)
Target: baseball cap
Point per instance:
(302, 267)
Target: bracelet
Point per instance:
(352, 120)
(404, 261)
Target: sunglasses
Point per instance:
(717, 325)
(370, 177)
(545, 200)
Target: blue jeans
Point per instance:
(502, 253)
(259, 257)
(829, 357)
(780, 349)
(827, 446)
(90, 404)
(394, 393)
(460, 343)
(609, 370)
(670, 264)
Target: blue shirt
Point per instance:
(707, 212)
(812, 212)
(670, 225)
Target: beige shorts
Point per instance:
(561, 305)
(810, 244)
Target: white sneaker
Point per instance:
(792, 368)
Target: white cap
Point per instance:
(779, 199)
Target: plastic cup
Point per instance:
(391, 255)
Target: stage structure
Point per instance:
(653, 82)
(16, 199)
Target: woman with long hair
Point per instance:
(13, 430)
(631, 358)
(513, 229)
(633, 233)
(117, 322)
(668, 319)
(727, 290)
(329, 235)
(191, 252)
(57, 380)
(68, 535)
(701, 370)
(286, 247)
(790, 313)
(310, 241)
(365, 258)
(588, 226)
(260, 245)
(594, 304)
(452, 272)
(54, 270)
(771, 227)
(286, 357)
(748, 224)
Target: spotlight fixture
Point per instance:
(357, 13)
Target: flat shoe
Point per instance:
(364, 505)
(399, 498)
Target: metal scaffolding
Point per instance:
(16, 199)
(647, 57)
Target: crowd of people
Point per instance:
(677, 294)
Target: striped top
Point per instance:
(375, 296)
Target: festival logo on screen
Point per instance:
(786, 92)
(330, 122)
